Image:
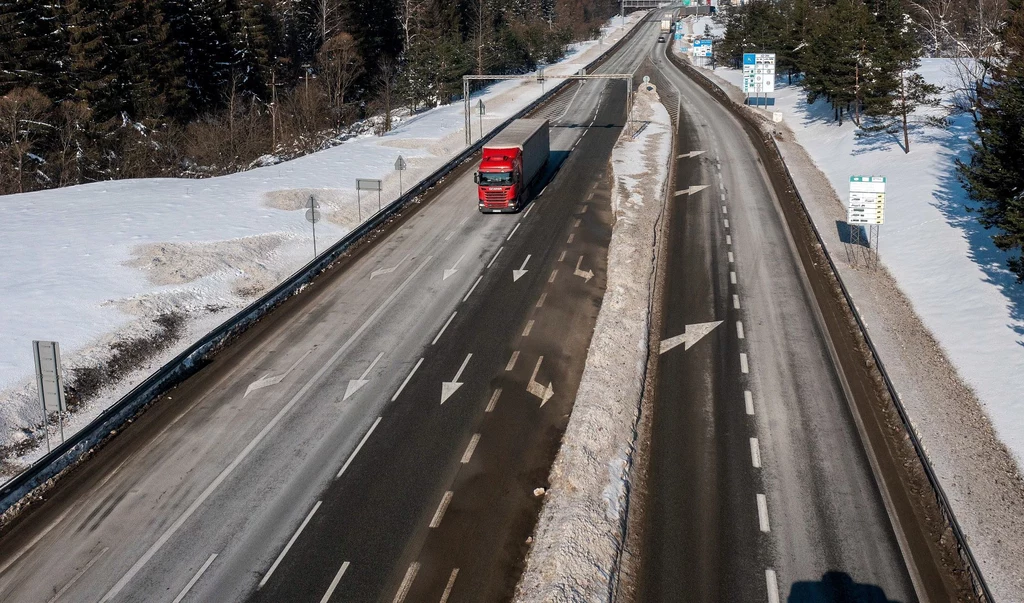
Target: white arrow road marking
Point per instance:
(453, 269)
(450, 387)
(689, 155)
(691, 335)
(355, 385)
(381, 271)
(693, 190)
(544, 393)
(267, 381)
(518, 274)
(585, 275)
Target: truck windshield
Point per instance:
(495, 177)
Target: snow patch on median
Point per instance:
(582, 525)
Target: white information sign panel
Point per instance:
(758, 72)
(48, 375)
(867, 200)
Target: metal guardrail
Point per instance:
(978, 583)
(190, 361)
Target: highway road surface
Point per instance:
(380, 436)
(760, 488)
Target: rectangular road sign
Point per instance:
(758, 72)
(364, 184)
(48, 375)
(867, 200)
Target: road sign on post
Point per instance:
(366, 184)
(400, 167)
(758, 75)
(50, 383)
(867, 208)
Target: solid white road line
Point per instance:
(540, 302)
(748, 401)
(732, 277)
(494, 400)
(744, 368)
(762, 513)
(551, 279)
(288, 546)
(441, 508)
(512, 361)
(513, 232)
(471, 289)
(78, 575)
(174, 527)
(334, 583)
(407, 378)
(359, 446)
(441, 332)
(773, 585)
(739, 329)
(755, 453)
(468, 454)
(451, 583)
(410, 575)
(735, 301)
(529, 327)
(194, 579)
(731, 259)
(495, 256)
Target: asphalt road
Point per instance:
(379, 437)
(760, 489)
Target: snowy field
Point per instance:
(942, 259)
(93, 265)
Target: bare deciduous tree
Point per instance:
(20, 112)
(340, 64)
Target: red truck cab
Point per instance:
(500, 178)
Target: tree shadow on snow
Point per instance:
(951, 199)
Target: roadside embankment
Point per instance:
(582, 526)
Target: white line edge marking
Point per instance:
(762, 513)
(471, 289)
(334, 583)
(731, 258)
(732, 277)
(78, 575)
(468, 454)
(195, 579)
(450, 235)
(464, 220)
(174, 527)
(744, 367)
(728, 239)
(552, 278)
(359, 446)
(739, 329)
(572, 236)
(441, 332)
(529, 327)
(726, 221)
(562, 257)
(773, 585)
(748, 400)
(497, 253)
(410, 575)
(407, 378)
(441, 508)
(540, 302)
(527, 212)
(512, 361)
(288, 546)
(725, 209)
(494, 400)
(513, 232)
(576, 223)
(735, 301)
(755, 453)
(451, 583)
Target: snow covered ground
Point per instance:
(93, 265)
(945, 313)
(581, 528)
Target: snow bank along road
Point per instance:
(377, 438)
(759, 485)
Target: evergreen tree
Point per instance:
(33, 46)
(994, 175)
(200, 42)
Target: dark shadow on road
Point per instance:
(837, 587)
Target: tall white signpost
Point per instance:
(866, 208)
(50, 384)
(758, 75)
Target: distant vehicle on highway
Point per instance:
(511, 163)
(661, 38)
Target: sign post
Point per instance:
(480, 107)
(400, 167)
(866, 208)
(313, 216)
(50, 383)
(365, 184)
